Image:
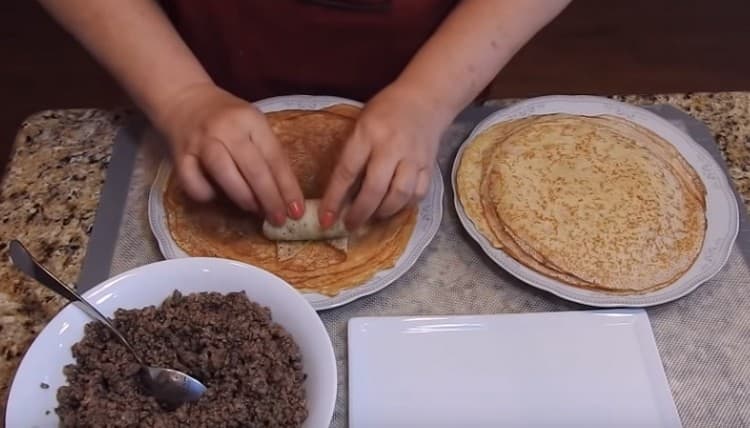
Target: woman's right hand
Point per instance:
(216, 137)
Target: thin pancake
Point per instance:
(471, 170)
(312, 141)
(472, 188)
(501, 232)
(316, 267)
(488, 217)
(513, 249)
(596, 204)
(346, 110)
(660, 148)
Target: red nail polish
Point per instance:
(295, 210)
(327, 219)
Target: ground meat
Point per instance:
(251, 366)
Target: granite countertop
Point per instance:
(51, 190)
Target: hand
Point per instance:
(217, 137)
(392, 150)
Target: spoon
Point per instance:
(168, 386)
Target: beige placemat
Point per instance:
(703, 338)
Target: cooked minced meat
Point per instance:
(251, 366)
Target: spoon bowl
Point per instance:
(168, 386)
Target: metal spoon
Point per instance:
(168, 386)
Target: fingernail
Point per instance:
(327, 219)
(295, 210)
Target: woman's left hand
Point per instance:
(392, 152)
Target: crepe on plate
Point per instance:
(312, 141)
(595, 202)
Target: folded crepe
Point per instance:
(306, 228)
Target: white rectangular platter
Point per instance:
(563, 369)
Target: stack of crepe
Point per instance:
(312, 141)
(594, 202)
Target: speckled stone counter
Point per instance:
(51, 191)
(48, 200)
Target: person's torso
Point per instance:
(259, 48)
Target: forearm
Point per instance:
(136, 42)
(471, 46)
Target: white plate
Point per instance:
(428, 220)
(721, 206)
(28, 403)
(565, 369)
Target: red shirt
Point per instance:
(261, 48)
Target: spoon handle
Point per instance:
(23, 260)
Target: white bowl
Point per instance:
(29, 405)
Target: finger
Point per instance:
(219, 164)
(423, 185)
(257, 174)
(287, 183)
(378, 178)
(345, 174)
(401, 190)
(196, 185)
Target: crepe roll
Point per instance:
(306, 228)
